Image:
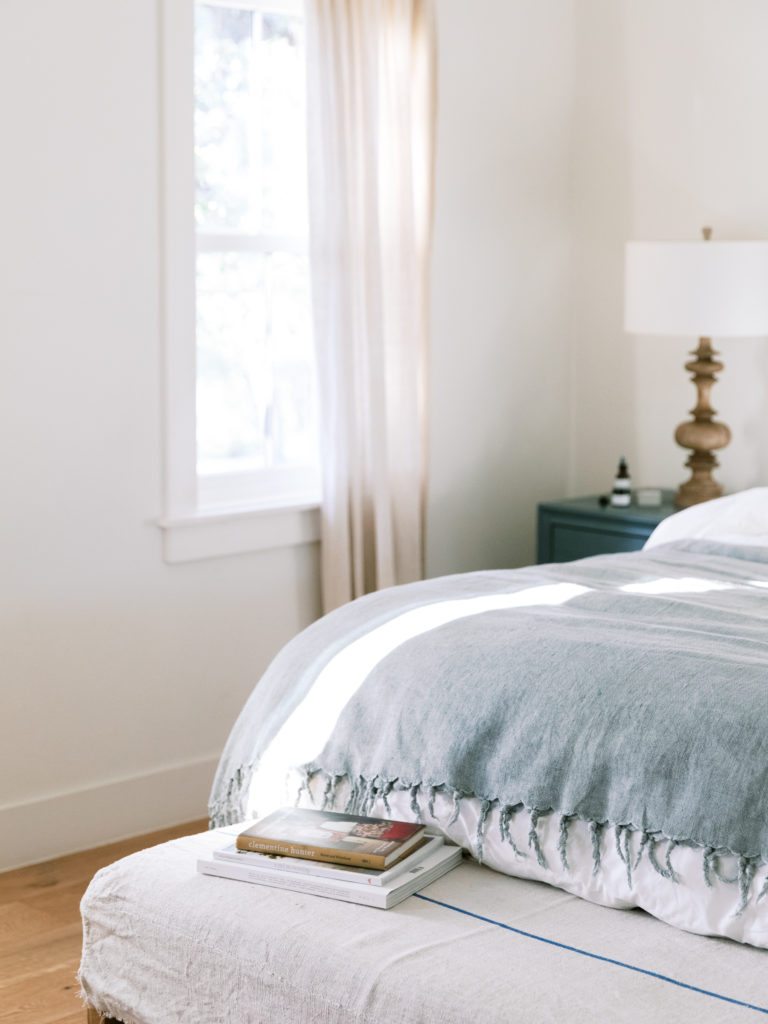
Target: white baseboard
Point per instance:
(65, 823)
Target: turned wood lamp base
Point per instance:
(690, 289)
(703, 434)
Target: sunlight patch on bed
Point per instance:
(673, 585)
(305, 733)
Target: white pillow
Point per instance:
(740, 518)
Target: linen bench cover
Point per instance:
(163, 943)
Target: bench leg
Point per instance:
(94, 1017)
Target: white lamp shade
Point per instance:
(697, 289)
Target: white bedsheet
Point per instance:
(164, 944)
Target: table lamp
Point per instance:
(699, 289)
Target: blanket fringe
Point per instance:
(595, 831)
(533, 836)
(562, 839)
(667, 872)
(431, 804)
(747, 868)
(414, 801)
(457, 795)
(711, 863)
(623, 841)
(505, 816)
(229, 809)
(485, 810)
(363, 795)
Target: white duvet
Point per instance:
(689, 905)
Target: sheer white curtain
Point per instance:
(371, 109)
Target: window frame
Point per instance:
(206, 516)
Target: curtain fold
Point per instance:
(371, 90)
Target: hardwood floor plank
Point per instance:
(19, 921)
(45, 1000)
(61, 902)
(41, 956)
(40, 930)
(81, 867)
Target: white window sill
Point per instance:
(216, 532)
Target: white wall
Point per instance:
(501, 278)
(564, 129)
(671, 104)
(120, 675)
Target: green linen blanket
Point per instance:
(629, 690)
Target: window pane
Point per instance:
(250, 150)
(283, 137)
(256, 404)
(255, 377)
(222, 59)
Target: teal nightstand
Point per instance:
(579, 527)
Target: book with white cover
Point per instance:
(417, 877)
(344, 872)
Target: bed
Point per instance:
(598, 726)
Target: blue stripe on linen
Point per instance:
(595, 956)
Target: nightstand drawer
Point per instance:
(580, 527)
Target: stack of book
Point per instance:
(374, 861)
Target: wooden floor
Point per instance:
(40, 931)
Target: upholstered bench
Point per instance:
(163, 943)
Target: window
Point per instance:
(242, 435)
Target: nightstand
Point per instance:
(578, 527)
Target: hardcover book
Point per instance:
(332, 837)
(326, 870)
(416, 877)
